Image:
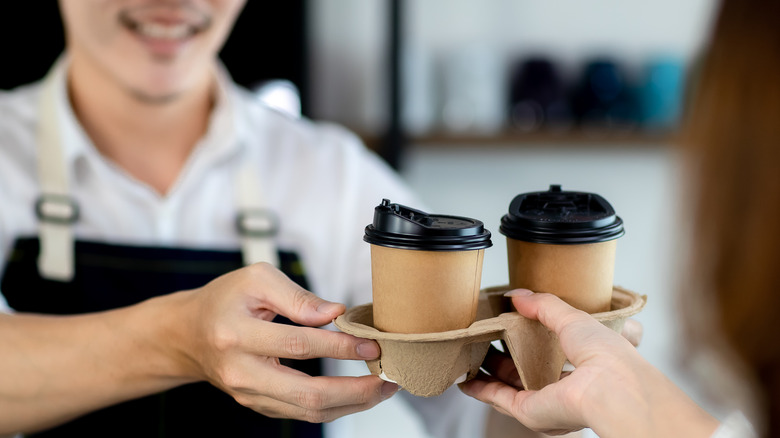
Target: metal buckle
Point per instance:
(257, 223)
(56, 209)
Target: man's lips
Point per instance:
(164, 31)
(164, 22)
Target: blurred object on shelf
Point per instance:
(475, 94)
(472, 90)
(538, 97)
(603, 98)
(661, 93)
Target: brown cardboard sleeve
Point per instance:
(581, 275)
(424, 291)
(429, 363)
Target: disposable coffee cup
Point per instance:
(426, 269)
(563, 243)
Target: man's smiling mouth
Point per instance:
(165, 22)
(164, 31)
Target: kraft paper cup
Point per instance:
(426, 269)
(425, 291)
(563, 243)
(581, 275)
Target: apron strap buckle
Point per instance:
(257, 222)
(56, 209)
(257, 227)
(56, 213)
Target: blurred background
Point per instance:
(503, 71)
(476, 101)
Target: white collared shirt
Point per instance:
(319, 179)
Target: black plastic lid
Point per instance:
(560, 217)
(398, 226)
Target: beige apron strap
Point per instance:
(257, 224)
(55, 209)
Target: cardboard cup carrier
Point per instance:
(433, 324)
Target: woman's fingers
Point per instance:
(633, 331)
(542, 410)
(501, 366)
(580, 334)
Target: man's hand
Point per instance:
(56, 368)
(234, 345)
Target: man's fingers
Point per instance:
(280, 340)
(325, 392)
(277, 390)
(285, 297)
(328, 415)
(277, 408)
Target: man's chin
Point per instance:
(160, 98)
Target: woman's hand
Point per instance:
(234, 345)
(633, 331)
(612, 389)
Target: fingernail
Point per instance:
(388, 389)
(327, 307)
(368, 350)
(519, 293)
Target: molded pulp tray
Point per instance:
(429, 363)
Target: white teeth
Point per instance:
(162, 31)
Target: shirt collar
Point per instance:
(221, 137)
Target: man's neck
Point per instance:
(151, 140)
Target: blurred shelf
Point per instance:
(544, 138)
(572, 138)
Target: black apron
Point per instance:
(110, 276)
